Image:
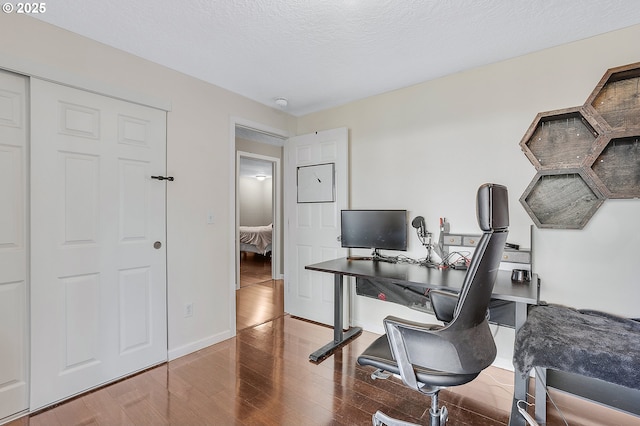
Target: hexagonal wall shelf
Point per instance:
(616, 98)
(585, 154)
(616, 168)
(563, 199)
(560, 139)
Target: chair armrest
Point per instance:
(410, 341)
(444, 348)
(443, 304)
(399, 350)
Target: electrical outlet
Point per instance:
(188, 310)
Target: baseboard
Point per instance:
(373, 328)
(15, 417)
(197, 345)
(503, 363)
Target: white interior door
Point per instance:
(13, 245)
(98, 284)
(312, 226)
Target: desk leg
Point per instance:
(339, 337)
(520, 384)
(521, 315)
(338, 305)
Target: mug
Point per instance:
(520, 275)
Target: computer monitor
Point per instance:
(374, 229)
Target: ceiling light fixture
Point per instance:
(282, 102)
(261, 177)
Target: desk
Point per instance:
(520, 294)
(410, 274)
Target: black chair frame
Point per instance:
(430, 357)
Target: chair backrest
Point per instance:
(475, 295)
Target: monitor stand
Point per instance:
(375, 256)
(359, 258)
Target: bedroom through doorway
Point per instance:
(260, 288)
(255, 218)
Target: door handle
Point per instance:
(169, 178)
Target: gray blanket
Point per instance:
(590, 343)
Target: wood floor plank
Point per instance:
(260, 298)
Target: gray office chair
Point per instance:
(430, 357)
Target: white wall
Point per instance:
(255, 201)
(198, 156)
(427, 148)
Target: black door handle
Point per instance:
(169, 178)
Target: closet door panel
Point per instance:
(98, 286)
(13, 245)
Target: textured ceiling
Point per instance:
(323, 53)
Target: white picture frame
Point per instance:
(316, 183)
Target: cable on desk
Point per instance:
(450, 260)
(409, 260)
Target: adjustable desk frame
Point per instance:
(521, 294)
(339, 336)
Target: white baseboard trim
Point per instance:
(503, 363)
(197, 345)
(14, 417)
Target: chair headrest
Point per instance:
(493, 207)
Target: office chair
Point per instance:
(431, 357)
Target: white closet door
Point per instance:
(98, 284)
(13, 245)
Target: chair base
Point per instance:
(435, 419)
(437, 416)
(381, 419)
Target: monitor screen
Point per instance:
(376, 229)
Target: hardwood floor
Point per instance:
(260, 298)
(254, 269)
(263, 377)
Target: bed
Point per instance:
(256, 239)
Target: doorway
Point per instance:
(256, 211)
(259, 285)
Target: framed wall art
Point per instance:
(316, 183)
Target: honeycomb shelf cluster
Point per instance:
(585, 155)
